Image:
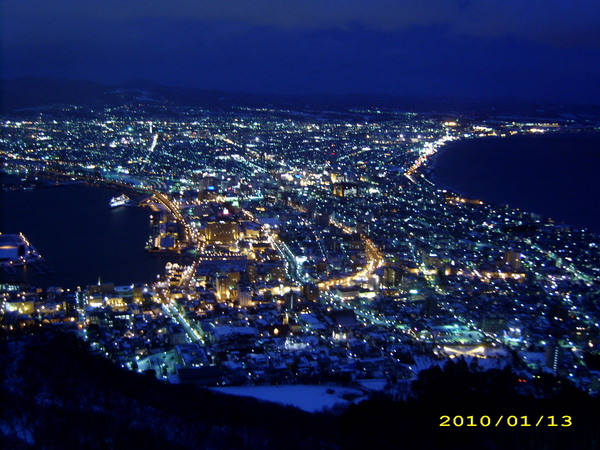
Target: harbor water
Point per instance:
(554, 175)
(80, 237)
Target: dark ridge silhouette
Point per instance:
(35, 92)
(56, 395)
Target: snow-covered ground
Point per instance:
(377, 384)
(306, 397)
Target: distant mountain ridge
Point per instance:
(35, 92)
(32, 92)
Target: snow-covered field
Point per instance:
(306, 397)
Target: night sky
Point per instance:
(530, 49)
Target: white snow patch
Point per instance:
(306, 397)
(374, 384)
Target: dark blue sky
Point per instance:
(533, 49)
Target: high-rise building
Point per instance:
(223, 288)
(245, 296)
(251, 273)
(310, 291)
(389, 277)
(430, 307)
(494, 323)
(513, 259)
(554, 356)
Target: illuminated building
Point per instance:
(223, 288)
(278, 272)
(554, 356)
(344, 189)
(245, 296)
(222, 231)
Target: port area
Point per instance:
(16, 251)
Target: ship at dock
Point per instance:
(121, 200)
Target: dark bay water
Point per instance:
(555, 175)
(80, 236)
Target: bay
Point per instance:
(80, 237)
(554, 175)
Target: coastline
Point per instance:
(84, 239)
(551, 175)
(430, 169)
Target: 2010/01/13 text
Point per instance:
(511, 421)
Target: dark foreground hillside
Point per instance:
(55, 395)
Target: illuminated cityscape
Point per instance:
(291, 225)
(309, 247)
